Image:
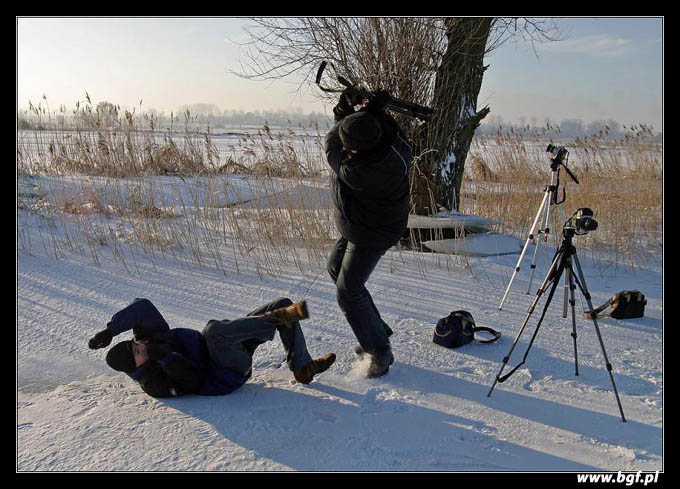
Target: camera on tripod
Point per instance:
(565, 263)
(582, 221)
(560, 153)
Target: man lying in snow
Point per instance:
(173, 362)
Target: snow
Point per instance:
(448, 220)
(486, 244)
(429, 413)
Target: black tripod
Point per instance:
(565, 259)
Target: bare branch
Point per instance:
(433, 61)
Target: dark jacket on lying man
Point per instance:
(180, 360)
(216, 361)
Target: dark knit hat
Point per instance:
(360, 132)
(120, 357)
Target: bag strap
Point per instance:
(628, 295)
(496, 334)
(595, 313)
(442, 335)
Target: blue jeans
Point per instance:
(233, 343)
(350, 267)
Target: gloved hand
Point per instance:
(101, 339)
(345, 105)
(157, 351)
(352, 98)
(378, 102)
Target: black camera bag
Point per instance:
(458, 329)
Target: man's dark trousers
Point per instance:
(233, 343)
(350, 266)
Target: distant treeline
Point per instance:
(195, 117)
(567, 129)
(210, 118)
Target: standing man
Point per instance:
(173, 362)
(370, 159)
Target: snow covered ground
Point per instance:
(430, 413)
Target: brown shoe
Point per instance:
(307, 373)
(288, 315)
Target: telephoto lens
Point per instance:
(587, 224)
(584, 221)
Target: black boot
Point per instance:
(380, 363)
(360, 351)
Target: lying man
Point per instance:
(173, 362)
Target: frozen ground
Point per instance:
(430, 413)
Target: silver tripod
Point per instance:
(550, 198)
(564, 261)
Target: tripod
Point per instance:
(550, 198)
(565, 259)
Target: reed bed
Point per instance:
(620, 180)
(124, 183)
(119, 181)
(261, 201)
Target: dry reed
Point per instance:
(621, 180)
(283, 218)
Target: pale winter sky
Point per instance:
(605, 68)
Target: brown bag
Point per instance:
(627, 304)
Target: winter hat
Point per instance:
(360, 132)
(120, 357)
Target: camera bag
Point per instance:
(458, 329)
(627, 304)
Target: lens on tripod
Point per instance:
(588, 224)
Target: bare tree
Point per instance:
(438, 62)
(107, 114)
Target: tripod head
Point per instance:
(560, 158)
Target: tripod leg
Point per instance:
(544, 230)
(566, 277)
(572, 302)
(548, 278)
(545, 202)
(566, 296)
(584, 290)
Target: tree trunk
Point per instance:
(441, 146)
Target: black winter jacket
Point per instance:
(186, 368)
(371, 189)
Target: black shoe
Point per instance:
(380, 364)
(360, 351)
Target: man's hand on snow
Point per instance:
(101, 340)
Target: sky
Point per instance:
(602, 69)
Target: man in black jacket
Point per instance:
(173, 362)
(370, 158)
